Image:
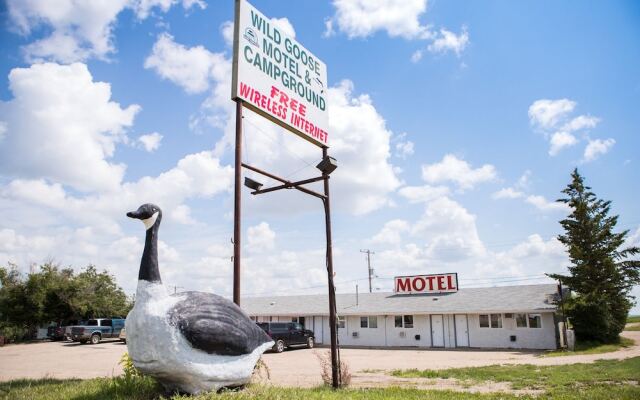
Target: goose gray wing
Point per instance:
(216, 325)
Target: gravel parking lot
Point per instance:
(292, 368)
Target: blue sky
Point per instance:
(456, 125)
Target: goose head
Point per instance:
(149, 214)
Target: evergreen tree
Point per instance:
(602, 274)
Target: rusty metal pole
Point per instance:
(333, 323)
(237, 204)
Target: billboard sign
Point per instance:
(277, 77)
(438, 283)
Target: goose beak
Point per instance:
(133, 214)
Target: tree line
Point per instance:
(56, 295)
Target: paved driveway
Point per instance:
(291, 368)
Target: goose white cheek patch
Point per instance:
(148, 223)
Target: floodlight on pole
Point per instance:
(327, 165)
(251, 184)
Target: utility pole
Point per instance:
(368, 253)
(175, 288)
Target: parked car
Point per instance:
(97, 329)
(55, 333)
(287, 334)
(123, 335)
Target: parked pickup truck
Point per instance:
(287, 334)
(97, 329)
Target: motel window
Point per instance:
(403, 321)
(496, 320)
(342, 322)
(528, 321)
(490, 320)
(535, 321)
(368, 322)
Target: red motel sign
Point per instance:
(438, 283)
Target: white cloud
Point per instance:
(151, 141)
(362, 18)
(547, 113)
(543, 204)
(182, 215)
(63, 126)
(419, 194)
(449, 41)
(3, 130)
(143, 8)
(507, 193)
(560, 140)
(285, 26)
(361, 143)
(190, 68)
(197, 175)
(449, 231)
(633, 239)
(596, 148)
(260, 237)
(524, 180)
(79, 29)
(581, 122)
(404, 149)
(459, 171)
(226, 29)
(551, 117)
(392, 232)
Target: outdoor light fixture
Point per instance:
(251, 184)
(327, 165)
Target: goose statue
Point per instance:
(191, 342)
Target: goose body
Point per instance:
(193, 341)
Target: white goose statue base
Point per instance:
(191, 342)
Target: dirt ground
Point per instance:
(296, 368)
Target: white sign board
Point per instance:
(439, 283)
(277, 77)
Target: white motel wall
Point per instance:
(518, 317)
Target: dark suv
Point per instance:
(287, 334)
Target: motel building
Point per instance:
(425, 311)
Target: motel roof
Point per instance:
(522, 298)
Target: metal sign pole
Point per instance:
(333, 323)
(237, 204)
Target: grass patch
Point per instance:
(557, 377)
(634, 327)
(99, 389)
(633, 318)
(94, 389)
(592, 348)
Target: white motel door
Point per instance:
(462, 331)
(437, 331)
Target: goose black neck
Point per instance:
(149, 264)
